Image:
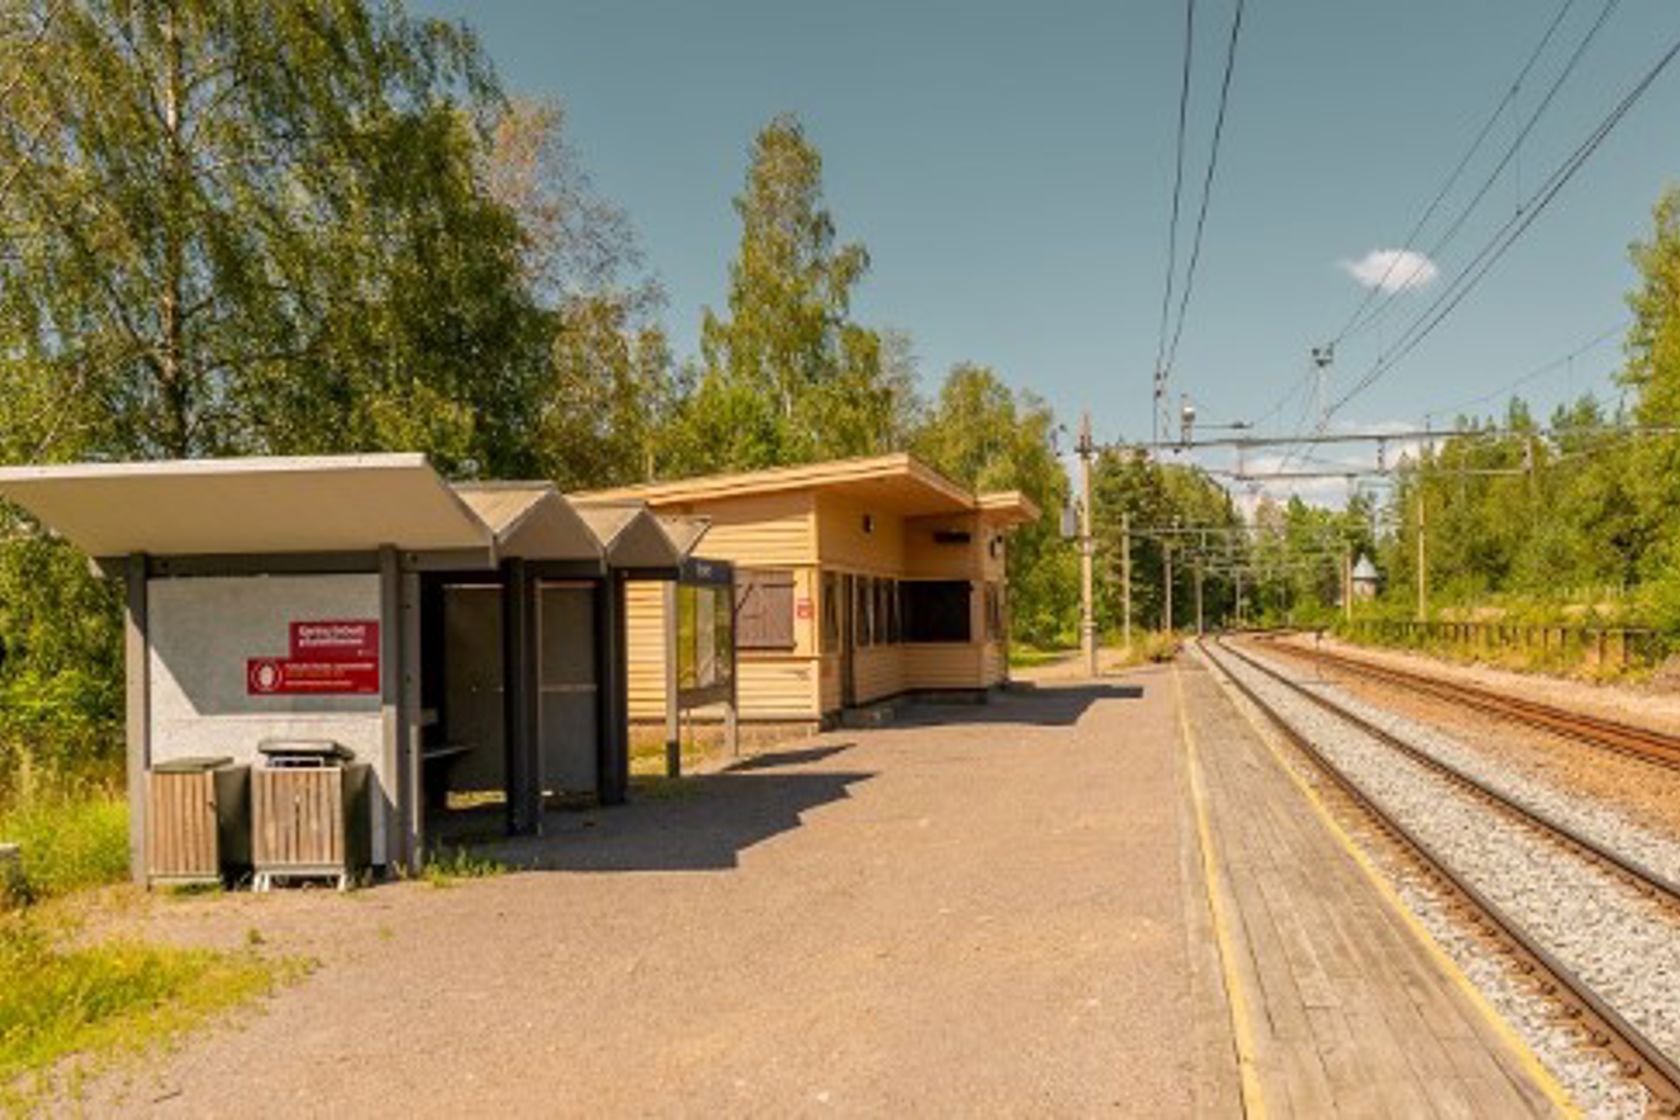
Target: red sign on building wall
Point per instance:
(329, 658)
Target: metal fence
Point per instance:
(1614, 649)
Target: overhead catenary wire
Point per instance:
(1207, 187)
(1387, 296)
(1507, 235)
(1539, 371)
(1439, 246)
(1458, 170)
(1177, 196)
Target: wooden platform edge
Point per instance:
(1518, 1049)
(1242, 1029)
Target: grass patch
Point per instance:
(446, 868)
(96, 1001)
(658, 787)
(1030, 657)
(69, 840)
(1148, 647)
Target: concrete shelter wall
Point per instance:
(200, 633)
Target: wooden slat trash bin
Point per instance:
(198, 824)
(309, 813)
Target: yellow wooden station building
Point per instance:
(856, 582)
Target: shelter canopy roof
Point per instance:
(898, 482)
(348, 503)
(248, 506)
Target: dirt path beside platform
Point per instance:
(979, 911)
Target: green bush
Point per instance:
(70, 839)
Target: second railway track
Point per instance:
(1602, 1018)
(1644, 743)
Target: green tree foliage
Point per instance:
(1160, 497)
(980, 433)
(260, 227)
(286, 228)
(1583, 521)
(1296, 557)
(788, 376)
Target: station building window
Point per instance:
(936, 610)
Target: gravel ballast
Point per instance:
(1623, 944)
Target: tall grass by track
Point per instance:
(71, 838)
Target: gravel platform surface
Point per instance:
(978, 912)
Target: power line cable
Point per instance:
(1502, 240)
(1440, 244)
(1172, 225)
(1539, 371)
(1207, 184)
(1458, 170)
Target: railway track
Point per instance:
(1636, 1055)
(1643, 743)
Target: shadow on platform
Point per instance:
(702, 823)
(1041, 706)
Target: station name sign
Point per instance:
(328, 658)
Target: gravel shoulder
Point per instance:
(1636, 704)
(980, 915)
(1623, 943)
(1647, 796)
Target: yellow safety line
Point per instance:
(1248, 1069)
(1514, 1042)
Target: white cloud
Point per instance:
(1392, 270)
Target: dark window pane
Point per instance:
(936, 610)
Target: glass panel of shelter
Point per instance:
(568, 687)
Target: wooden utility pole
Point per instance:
(1422, 562)
(1088, 610)
(1198, 596)
(1126, 579)
(1167, 581)
(1239, 603)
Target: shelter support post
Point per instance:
(673, 718)
(611, 639)
(519, 697)
(137, 708)
(413, 791)
(388, 825)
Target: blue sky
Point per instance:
(1009, 167)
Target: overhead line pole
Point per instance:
(1422, 562)
(1126, 580)
(1088, 614)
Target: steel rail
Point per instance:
(1638, 1057)
(1644, 743)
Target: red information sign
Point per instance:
(336, 641)
(329, 658)
(283, 676)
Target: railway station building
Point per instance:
(857, 582)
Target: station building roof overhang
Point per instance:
(898, 482)
(330, 504)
